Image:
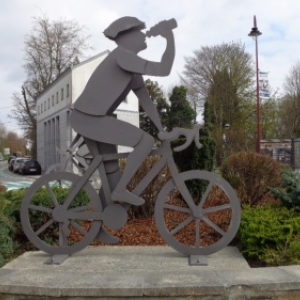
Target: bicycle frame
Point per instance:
(114, 215)
(166, 154)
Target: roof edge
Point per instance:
(70, 68)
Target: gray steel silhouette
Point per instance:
(83, 209)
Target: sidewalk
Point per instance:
(115, 272)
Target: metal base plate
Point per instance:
(56, 259)
(197, 260)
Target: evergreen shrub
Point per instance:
(13, 200)
(193, 158)
(289, 192)
(270, 235)
(252, 175)
(6, 230)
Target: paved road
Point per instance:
(14, 181)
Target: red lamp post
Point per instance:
(255, 33)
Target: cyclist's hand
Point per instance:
(169, 136)
(189, 134)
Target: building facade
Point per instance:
(54, 105)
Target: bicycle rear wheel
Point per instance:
(209, 225)
(44, 215)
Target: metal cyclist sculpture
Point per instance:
(73, 207)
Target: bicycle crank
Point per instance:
(114, 216)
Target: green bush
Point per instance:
(252, 175)
(6, 229)
(270, 235)
(13, 241)
(193, 158)
(289, 193)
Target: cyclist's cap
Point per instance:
(121, 25)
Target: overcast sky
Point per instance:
(200, 23)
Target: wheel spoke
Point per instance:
(205, 195)
(50, 192)
(82, 208)
(216, 208)
(86, 215)
(78, 228)
(178, 208)
(63, 241)
(57, 183)
(57, 219)
(214, 226)
(41, 208)
(182, 225)
(44, 227)
(206, 234)
(197, 233)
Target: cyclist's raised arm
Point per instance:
(163, 68)
(142, 93)
(129, 61)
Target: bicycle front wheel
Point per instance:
(44, 216)
(204, 227)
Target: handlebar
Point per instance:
(190, 135)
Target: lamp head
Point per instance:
(254, 31)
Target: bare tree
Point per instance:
(223, 76)
(25, 114)
(3, 134)
(290, 104)
(3, 130)
(50, 49)
(15, 143)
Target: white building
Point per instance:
(53, 111)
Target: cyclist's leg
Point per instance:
(134, 160)
(110, 130)
(112, 170)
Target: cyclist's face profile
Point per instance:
(134, 40)
(141, 36)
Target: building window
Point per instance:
(38, 109)
(62, 94)
(68, 90)
(68, 118)
(56, 97)
(52, 100)
(48, 103)
(57, 139)
(41, 107)
(45, 105)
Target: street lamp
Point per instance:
(255, 33)
(226, 126)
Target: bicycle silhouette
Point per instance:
(73, 206)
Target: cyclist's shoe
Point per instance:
(126, 196)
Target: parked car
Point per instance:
(11, 164)
(2, 158)
(10, 158)
(30, 167)
(17, 163)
